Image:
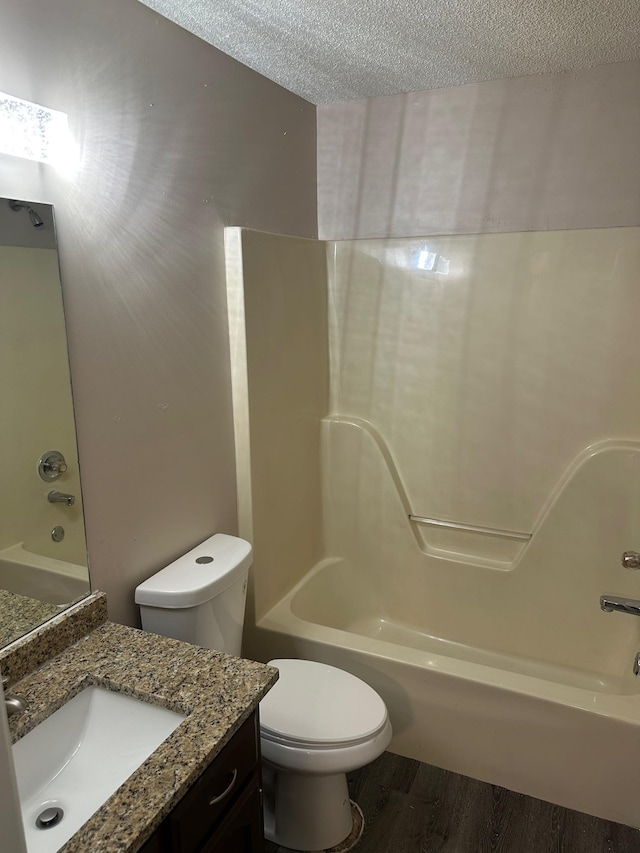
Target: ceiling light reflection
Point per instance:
(37, 133)
(432, 262)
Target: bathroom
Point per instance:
(175, 142)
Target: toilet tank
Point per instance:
(200, 597)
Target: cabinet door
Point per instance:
(241, 831)
(206, 804)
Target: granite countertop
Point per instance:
(19, 614)
(217, 692)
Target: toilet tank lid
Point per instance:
(198, 576)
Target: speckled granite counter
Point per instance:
(19, 614)
(216, 691)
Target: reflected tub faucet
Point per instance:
(60, 498)
(609, 603)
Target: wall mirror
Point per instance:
(43, 556)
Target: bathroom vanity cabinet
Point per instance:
(222, 812)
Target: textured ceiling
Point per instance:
(336, 50)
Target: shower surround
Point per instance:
(487, 382)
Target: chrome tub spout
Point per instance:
(55, 497)
(609, 603)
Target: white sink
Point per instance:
(78, 757)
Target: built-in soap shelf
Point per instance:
(471, 528)
(606, 467)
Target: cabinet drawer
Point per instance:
(195, 817)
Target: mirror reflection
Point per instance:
(43, 561)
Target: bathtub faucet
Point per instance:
(60, 498)
(609, 603)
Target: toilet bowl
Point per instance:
(317, 724)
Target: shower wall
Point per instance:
(487, 363)
(279, 354)
(487, 381)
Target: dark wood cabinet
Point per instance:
(241, 830)
(222, 812)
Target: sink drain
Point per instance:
(49, 817)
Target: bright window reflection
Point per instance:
(432, 262)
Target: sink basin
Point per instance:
(79, 756)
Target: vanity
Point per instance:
(200, 789)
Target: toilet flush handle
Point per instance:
(227, 790)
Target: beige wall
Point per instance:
(278, 325)
(532, 153)
(176, 140)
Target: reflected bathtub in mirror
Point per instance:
(43, 562)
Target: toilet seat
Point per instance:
(293, 743)
(317, 707)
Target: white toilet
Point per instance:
(316, 724)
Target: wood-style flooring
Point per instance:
(410, 807)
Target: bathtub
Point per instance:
(42, 578)
(564, 734)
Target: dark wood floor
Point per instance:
(410, 807)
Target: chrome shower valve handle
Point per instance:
(51, 465)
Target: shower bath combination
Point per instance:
(34, 216)
(454, 505)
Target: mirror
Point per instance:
(43, 557)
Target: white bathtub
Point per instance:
(567, 735)
(42, 578)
